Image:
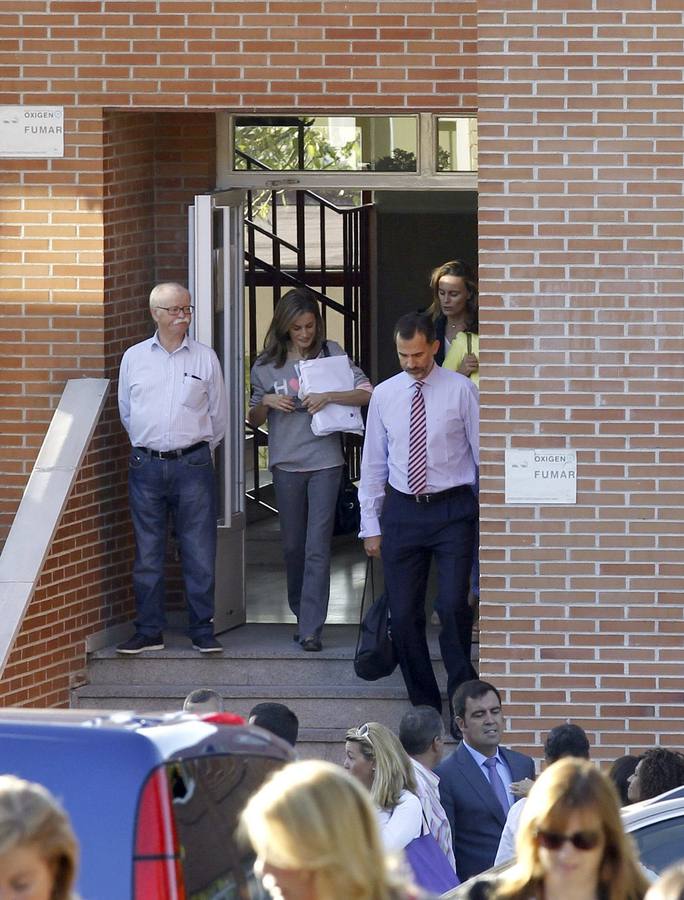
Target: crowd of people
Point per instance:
(561, 833)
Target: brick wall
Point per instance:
(581, 269)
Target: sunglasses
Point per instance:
(580, 840)
(362, 732)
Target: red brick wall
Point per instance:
(581, 270)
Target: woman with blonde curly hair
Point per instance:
(38, 849)
(315, 836)
(374, 755)
(571, 844)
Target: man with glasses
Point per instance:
(172, 403)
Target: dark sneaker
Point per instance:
(207, 643)
(312, 644)
(140, 642)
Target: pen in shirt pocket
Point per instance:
(196, 377)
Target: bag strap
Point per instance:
(326, 350)
(469, 342)
(369, 577)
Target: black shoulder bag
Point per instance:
(375, 656)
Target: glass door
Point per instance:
(216, 282)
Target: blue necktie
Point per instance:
(497, 784)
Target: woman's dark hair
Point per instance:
(661, 770)
(619, 773)
(458, 269)
(290, 306)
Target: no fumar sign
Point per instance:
(31, 132)
(541, 476)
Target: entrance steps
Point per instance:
(259, 663)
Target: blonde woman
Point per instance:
(375, 757)
(454, 310)
(571, 844)
(315, 836)
(38, 850)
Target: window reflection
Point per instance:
(326, 143)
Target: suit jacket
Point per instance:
(474, 813)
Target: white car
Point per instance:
(657, 827)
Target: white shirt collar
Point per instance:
(156, 343)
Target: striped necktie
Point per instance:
(417, 458)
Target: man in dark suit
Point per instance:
(480, 780)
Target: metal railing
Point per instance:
(351, 277)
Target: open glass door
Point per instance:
(216, 282)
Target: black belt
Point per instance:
(432, 498)
(173, 454)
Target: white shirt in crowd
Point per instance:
(399, 826)
(427, 784)
(506, 849)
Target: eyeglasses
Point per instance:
(580, 840)
(176, 310)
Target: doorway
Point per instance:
(408, 234)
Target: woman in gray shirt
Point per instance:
(306, 468)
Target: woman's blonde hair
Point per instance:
(458, 269)
(393, 768)
(567, 786)
(29, 814)
(314, 817)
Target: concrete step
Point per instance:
(259, 663)
(319, 706)
(253, 654)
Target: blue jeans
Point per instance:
(185, 487)
(306, 509)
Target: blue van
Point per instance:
(154, 800)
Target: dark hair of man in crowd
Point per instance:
(620, 772)
(470, 690)
(276, 718)
(661, 770)
(418, 729)
(566, 740)
(414, 323)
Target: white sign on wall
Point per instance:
(30, 132)
(541, 476)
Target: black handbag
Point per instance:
(347, 507)
(375, 656)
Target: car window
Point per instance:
(660, 843)
(208, 794)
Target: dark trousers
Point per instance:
(186, 487)
(412, 534)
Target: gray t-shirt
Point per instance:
(292, 445)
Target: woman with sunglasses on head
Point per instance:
(571, 844)
(307, 468)
(455, 312)
(375, 757)
(315, 836)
